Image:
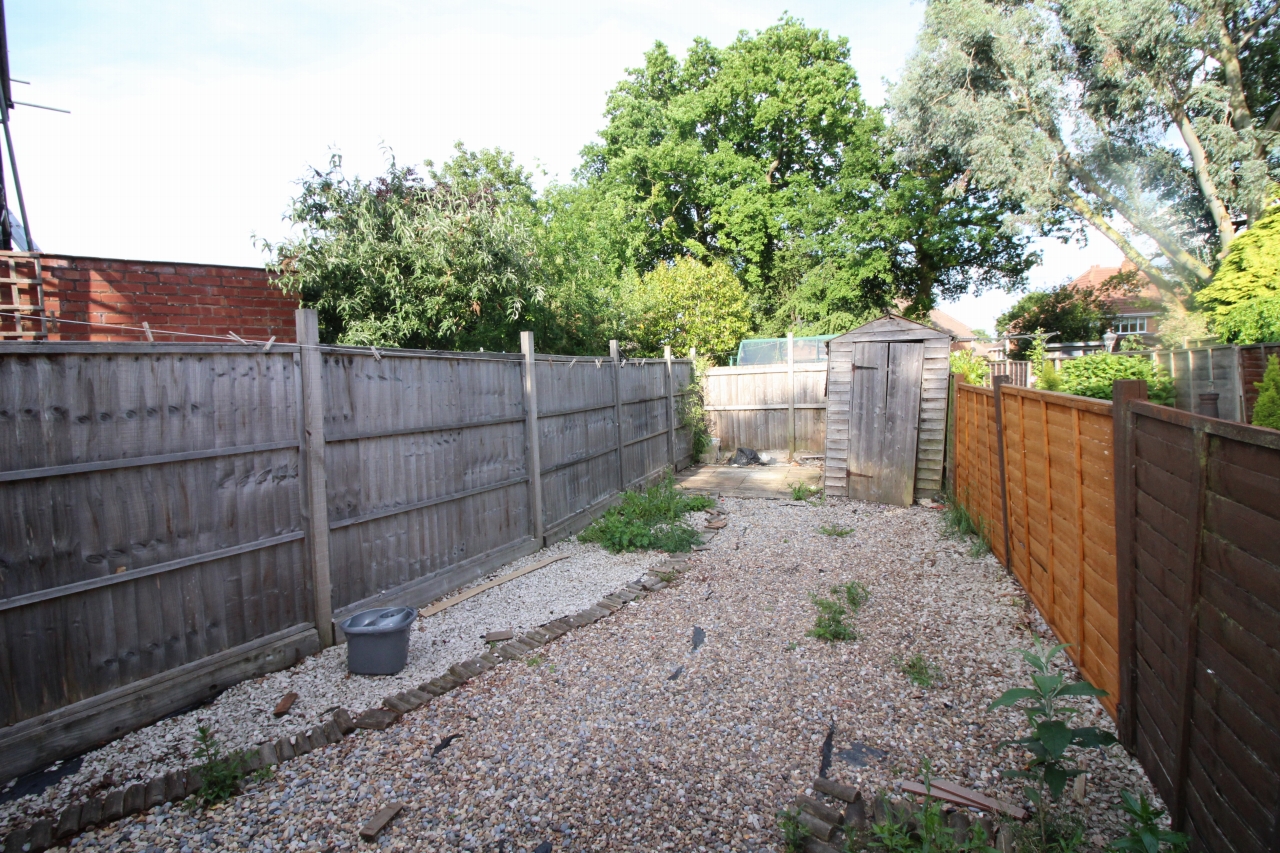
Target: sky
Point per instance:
(191, 121)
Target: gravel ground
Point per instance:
(620, 736)
(241, 717)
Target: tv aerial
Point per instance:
(9, 230)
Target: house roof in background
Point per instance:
(1144, 300)
(943, 321)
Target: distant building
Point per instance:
(1137, 311)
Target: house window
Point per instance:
(1130, 325)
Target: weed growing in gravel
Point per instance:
(649, 520)
(1143, 831)
(793, 831)
(918, 670)
(835, 530)
(1063, 833)
(220, 773)
(1051, 737)
(958, 523)
(803, 491)
(855, 594)
(830, 626)
(926, 829)
(536, 660)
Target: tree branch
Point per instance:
(1200, 165)
(1167, 288)
(1259, 22)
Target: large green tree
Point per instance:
(403, 261)
(763, 154)
(1155, 121)
(1070, 313)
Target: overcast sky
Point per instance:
(191, 120)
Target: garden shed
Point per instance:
(887, 411)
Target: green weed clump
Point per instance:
(794, 833)
(835, 530)
(958, 523)
(803, 491)
(220, 773)
(830, 626)
(649, 520)
(918, 670)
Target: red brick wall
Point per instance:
(206, 300)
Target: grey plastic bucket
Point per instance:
(378, 640)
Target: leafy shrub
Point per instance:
(649, 520)
(975, 368)
(1051, 737)
(1092, 375)
(1266, 412)
(1255, 321)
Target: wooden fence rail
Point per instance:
(1149, 539)
(181, 517)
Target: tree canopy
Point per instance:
(1073, 313)
(1154, 121)
(1245, 293)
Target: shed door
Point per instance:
(884, 419)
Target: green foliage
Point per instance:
(1092, 375)
(220, 773)
(975, 368)
(957, 522)
(1143, 833)
(855, 594)
(835, 530)
(923, 830)
(794, 833)
(829, 624)
(1255, 321)
(1062, 833)
(1051, 737)
(1074, 313)
(1251, 268)
(1266, 411)
(1046, 375)
(803, 491)
(685, 303)
(1132, 343)
(918, 670)
(982, 336)
(1178, 328)
(406, 262)
(649, 520)
(536, 660)
(692, 410)
(1079, 111)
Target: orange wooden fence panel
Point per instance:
(1059, 472)
(977, 465)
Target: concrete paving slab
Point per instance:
(750, 481)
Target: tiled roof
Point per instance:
(1145, 300)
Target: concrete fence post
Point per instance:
(315, 504)
(534, 443)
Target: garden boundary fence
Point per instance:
(1034, 471)
(182, 517)
(1150, 540)
(1199, 611)
(775, 407)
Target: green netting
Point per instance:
(774, 350)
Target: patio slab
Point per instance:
(749, 481)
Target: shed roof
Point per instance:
(891, 326)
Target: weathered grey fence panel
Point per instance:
(154, 546)
(152, 525)
(1201, 371)
(578, 432)
(753, 406)
(425, 462)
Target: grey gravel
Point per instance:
(589, 744)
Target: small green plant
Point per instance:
(1063, 833)
(926, 830)
(1266, 411)
(855, 594)
(536, 660)
(667, 577)
(1143, 832)
(835, 530)
(830, 626)
(918, 670)
(803, 491)
(649, 520)
(1051, 737)
(958, 523)
(220, 773)
(1132, 343)
(793, 831)
(792, 646)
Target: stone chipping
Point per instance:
(619, 735)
